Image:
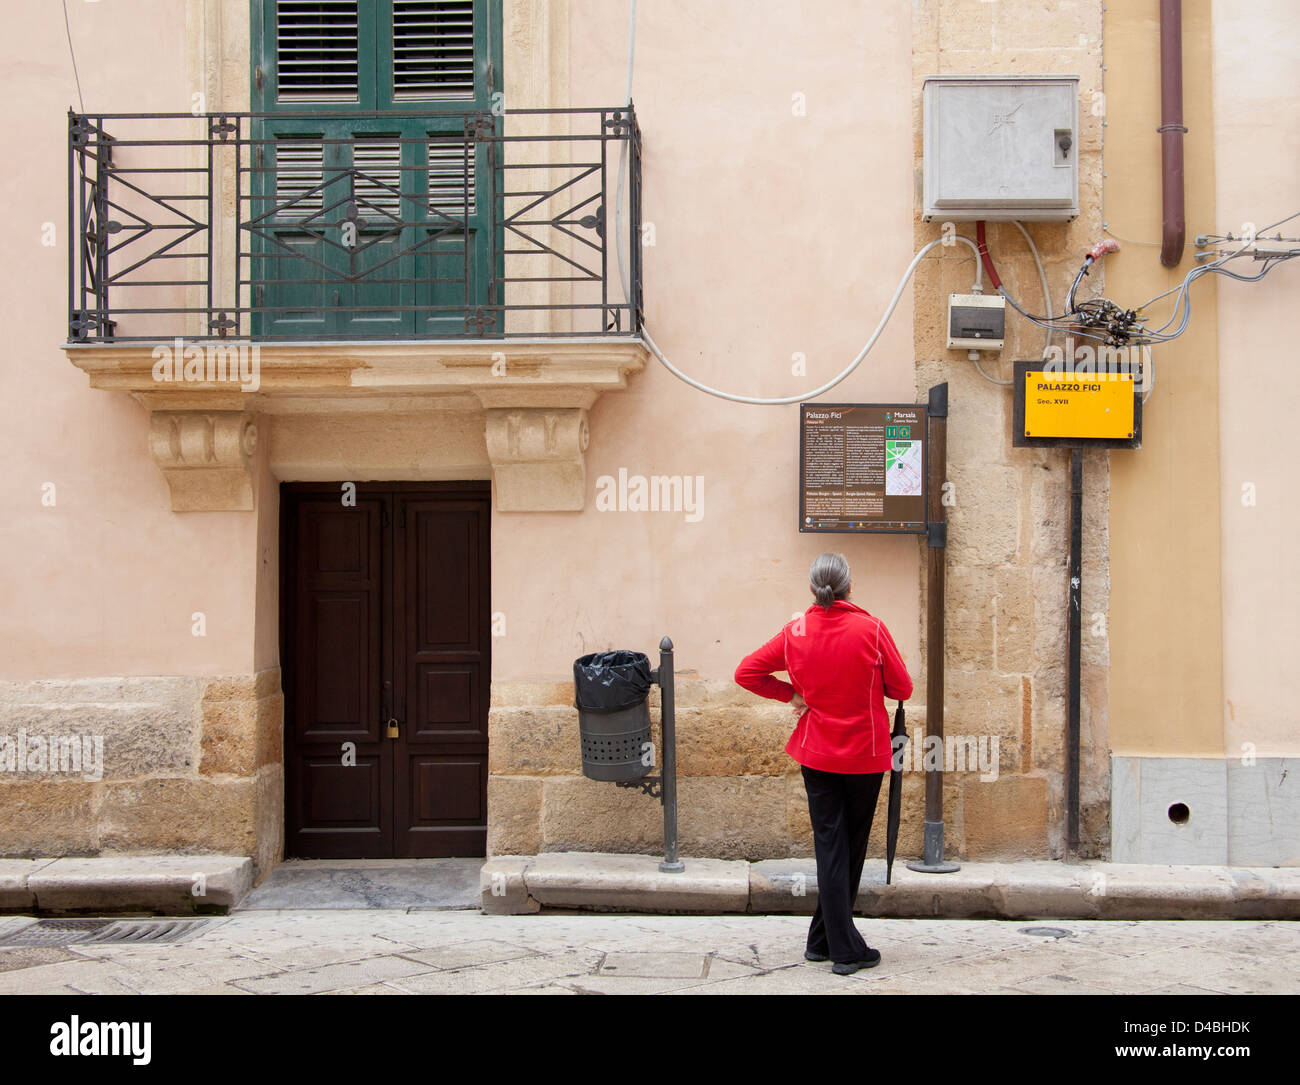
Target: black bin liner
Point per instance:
(612, 695)
(611, 681)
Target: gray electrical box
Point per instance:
(1001, 148)
(976, 321)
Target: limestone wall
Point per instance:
(168, 766)
(1008, 543)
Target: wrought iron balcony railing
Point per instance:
(353, 226)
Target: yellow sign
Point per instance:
(1078, 405)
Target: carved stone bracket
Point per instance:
(204, 456)
(533, 394)
(538, 459)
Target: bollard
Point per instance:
(671, 864)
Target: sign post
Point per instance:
(1076, 407)
(878, 468)
(936, 560)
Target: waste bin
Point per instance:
(612, 695)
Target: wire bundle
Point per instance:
(1102, 319)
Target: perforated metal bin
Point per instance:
(612, 695)
(614, 744)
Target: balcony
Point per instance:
(250, 264)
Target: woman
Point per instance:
(842, 664)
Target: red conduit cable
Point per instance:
(985, 258)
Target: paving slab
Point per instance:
(467, 954)
(433, 884)
(332, 977)
(502, 976)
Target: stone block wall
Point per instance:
(740, 796)
(1008, 543)
(189, 766)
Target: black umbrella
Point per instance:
(895, 791)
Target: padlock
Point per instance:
(392, 728)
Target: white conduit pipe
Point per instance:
(733, 397)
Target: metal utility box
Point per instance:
(1001, 148)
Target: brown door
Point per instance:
(386, 660)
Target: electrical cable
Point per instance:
(783, 400)
(1130, 241)
(733, 397)
(67, 27)
(1042, 279)
(1114, 326)
(1181, 288)
(1184, 296)
(1294, 214)
(986, 376)
(622, 164)
(987, 258)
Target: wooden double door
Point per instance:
(386, 655)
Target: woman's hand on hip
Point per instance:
(798, 705)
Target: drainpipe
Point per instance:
(1171, 132)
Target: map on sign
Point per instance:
(903, 468)
(862, 467)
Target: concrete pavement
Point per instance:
(379, 951)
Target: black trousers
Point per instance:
(841, 807)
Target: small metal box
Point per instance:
(976, 321)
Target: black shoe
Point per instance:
(847, 968)
(809, 955)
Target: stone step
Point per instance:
(153, 884)
(1029, 889)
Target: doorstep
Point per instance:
(1029, 889)
(152, 884)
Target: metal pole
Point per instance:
(1073, 647)
(671, 864)
(936, 425)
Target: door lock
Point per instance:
(392, 728)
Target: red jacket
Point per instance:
(843, 663)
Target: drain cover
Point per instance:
(54, 932)
(66, 932)
(1046, 932)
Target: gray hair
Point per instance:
(829, 577)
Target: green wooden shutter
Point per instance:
(433, 50)
(422, 64)
(317, 51)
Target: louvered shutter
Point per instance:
(299, 171)
(317, 51)
(378, 161)
(451, 168)
(433, 50)
(372, 97)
